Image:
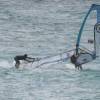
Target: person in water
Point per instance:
(74, 61)
(22, 57)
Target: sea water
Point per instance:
(42, 28)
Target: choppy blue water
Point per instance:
(41, 28)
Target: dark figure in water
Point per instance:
(18, 58)
(24, 57)
(74, 61)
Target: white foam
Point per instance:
(70, 66)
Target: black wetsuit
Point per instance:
(74, 61)
(18, 58)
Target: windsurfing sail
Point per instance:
(48, 60)
(88, 41)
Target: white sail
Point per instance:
(47, 60)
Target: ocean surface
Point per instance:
(42, 28)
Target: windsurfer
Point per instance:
(22, 57)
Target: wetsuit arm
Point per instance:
(29, 59)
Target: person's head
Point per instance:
(25, 55)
